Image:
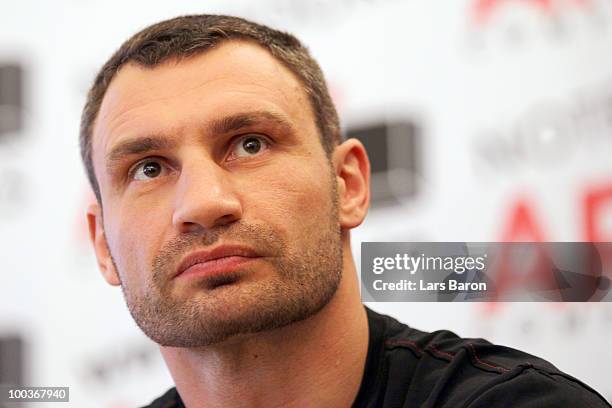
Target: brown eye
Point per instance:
(147, 170)
(250, 146)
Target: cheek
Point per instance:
(134, 240)
(297, 194)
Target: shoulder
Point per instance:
(169, 400)
(444, 370)
(537, 388)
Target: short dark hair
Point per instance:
(186, 36)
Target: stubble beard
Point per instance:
(304, 280)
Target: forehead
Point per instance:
(233, 77)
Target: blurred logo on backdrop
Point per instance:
(12, 179)
(484, 10)
(11, 100)
(13, 361)
(394, 152)
(548, 134)
(518, 20)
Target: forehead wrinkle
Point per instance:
(170, 67)
(142, 104)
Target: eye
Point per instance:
(147, 170)
(249, 146)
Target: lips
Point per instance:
(216, 260)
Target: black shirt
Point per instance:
(410, 368)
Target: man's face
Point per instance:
(219, 152)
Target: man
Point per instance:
(224, 203)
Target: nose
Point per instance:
(205, 198)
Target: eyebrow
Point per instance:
(224, 125)
(240, 121)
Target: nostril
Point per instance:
(226, 219)
(189, 226)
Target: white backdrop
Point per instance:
(513, 99)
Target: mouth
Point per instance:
(219, 264)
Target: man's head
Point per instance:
(212, 141)
(183, 37)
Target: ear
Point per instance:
(352, 168)
(98, 239)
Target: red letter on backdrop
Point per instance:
(522, 225)
(596, 200)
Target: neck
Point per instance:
(316, 362)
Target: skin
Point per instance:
(210, 189)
